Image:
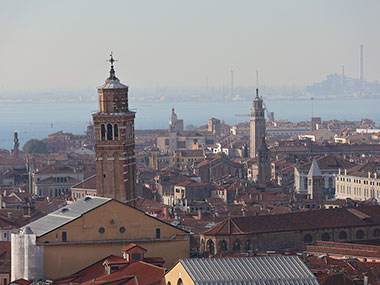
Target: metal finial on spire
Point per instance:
(257, 83)
(112, 71)
(257, 79)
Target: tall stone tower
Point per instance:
(115, 141)
(315, 183)
(264, 166)
(16, 145)
(257, 125)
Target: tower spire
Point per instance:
(257, 83)
(112, 71)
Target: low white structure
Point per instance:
(27, 258)
(359, 183)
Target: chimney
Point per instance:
(361, 65)
(375, 175)
(199, 214)
(345, 171)
(9, 215)
(365, 281)
(339, 171)
(369, 174)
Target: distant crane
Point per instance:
(269, 117)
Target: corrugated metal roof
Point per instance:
(249, 270)
(65, 214)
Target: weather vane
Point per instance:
(111, 60)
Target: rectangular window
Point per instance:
(158, 233)
(64, 236)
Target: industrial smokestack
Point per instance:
(361, 65)
(232, 83)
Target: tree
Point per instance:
(34, 146)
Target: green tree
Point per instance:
(34, 146)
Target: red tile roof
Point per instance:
(55, 168)
(325, 218)
(88, 184)
(50, 180)
(144, 272)
(190, 183)
(130, 246)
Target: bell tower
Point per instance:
(115, 141)
(256, 125)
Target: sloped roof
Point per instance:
(55, 168)
(89, 183)
(324, 218)
(330, 162)
(95, 273)
(314, 169)
(50, 180)
(249, 270)
(66, 214)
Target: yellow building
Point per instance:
(92, 228)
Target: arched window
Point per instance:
(359, 234)
(307, 239)
(109, 132)
(248, 245)
(179, 282)
(222, 245)
(325, 237)
(236, 245)
(376, 233)
(342, 235)
(116, 132)
(103, 132)
(211, 247)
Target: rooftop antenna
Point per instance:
(257, 79)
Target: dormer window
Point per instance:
(133, 252)
(136, 256)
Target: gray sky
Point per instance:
(51, 44)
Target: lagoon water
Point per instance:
(37, 120)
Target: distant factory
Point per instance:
(340, 84)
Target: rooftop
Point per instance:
(249, 270)
(65, 215)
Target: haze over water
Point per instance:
(33, 120)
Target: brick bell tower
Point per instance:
(115, 141)
(256, 125)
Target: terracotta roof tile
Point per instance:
(89, 183)
(325, 218)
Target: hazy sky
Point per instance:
(170, 43)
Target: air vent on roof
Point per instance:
(64, 210)
(87, 199)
